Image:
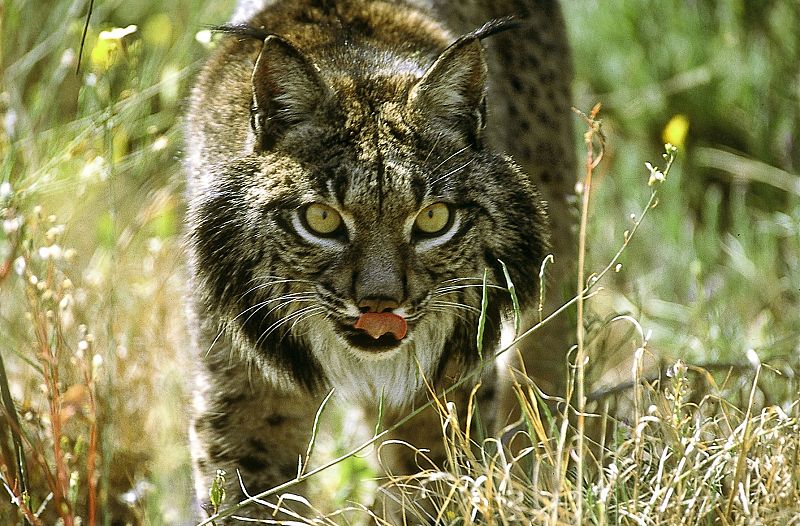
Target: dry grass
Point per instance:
(677, 463)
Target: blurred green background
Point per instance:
(90, 168)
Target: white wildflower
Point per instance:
(118, 33)
(68, 58)
(19, 265)
(656, 175)
(11, 225)
(203, 37)
(10, 123)
(753, 358)
(159, 144)
(96, 169)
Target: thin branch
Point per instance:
(11, 414)
(592, 161)
(83, 37)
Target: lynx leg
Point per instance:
(249, 430)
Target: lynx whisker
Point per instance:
(298, 313)
(273, 276)
(299, 296)
(297, 319)
(458, 152)
(453, 172)
(305, 317)
(448, 290)
(473, 278)
(433, 148)
(255, 308)
(277, 281)
(331, 300)
(456, 305)
(448, 311)
(326, 316)
(289, 296)
(216, 339)
(287, 303)
(263, 304)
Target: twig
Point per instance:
(592, 161)
(91, 455)
(18, 498)
(48, 343)
(11, 414)
(83, 36)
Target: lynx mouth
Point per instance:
(373, 334)
(364, 341)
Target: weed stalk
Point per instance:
(592, 161)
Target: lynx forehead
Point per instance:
(349, 185)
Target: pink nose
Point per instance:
(377, 305)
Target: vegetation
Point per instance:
(691, 339)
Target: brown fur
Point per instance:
(376, 109)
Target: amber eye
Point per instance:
(322, 219)
(433, 219)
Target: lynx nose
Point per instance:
(377, 304)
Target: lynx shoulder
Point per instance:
(354, 169)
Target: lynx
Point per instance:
(354, 168)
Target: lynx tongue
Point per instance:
(376, 324)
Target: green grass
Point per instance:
(90, 164)
(716, 272)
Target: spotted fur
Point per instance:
(376, 109)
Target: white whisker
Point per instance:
(298, 313)
(274, 282)
(448, 290)
(299, 296)
(452, 172)
(456, 305)
(475, 278)
(459, 152)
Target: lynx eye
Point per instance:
(322, 219)
(433, 219)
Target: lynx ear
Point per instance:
(286, 90)
(452, 92)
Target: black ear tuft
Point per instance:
(286, 90)
(451, 93)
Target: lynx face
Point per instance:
(345, 241)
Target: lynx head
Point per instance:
(357, 219)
